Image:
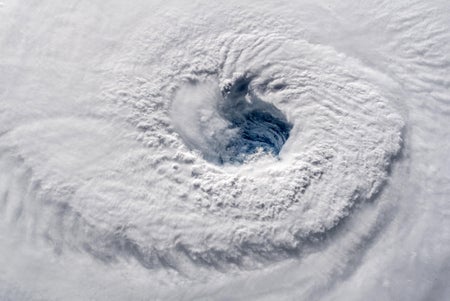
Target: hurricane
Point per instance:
(245, 150)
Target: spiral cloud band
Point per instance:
(242, 151)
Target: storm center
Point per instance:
(258, 125)
(228, 125)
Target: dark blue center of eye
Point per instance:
(259, 125)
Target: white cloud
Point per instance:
(110, 115)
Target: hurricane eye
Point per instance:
(259, 125)
(227, 126)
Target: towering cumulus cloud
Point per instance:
(196, 151)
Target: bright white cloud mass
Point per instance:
(241, 150)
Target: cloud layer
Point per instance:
(119, 125)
